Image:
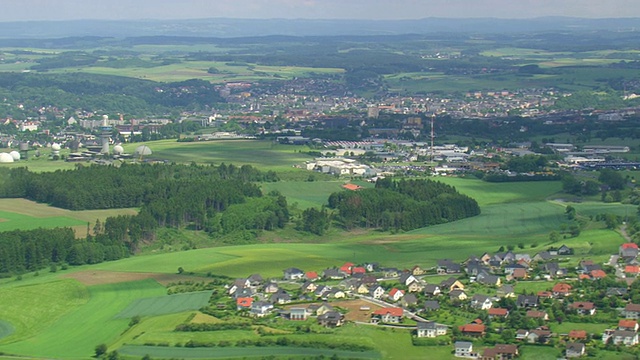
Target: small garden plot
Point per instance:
(169, 304)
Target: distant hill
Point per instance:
(228, 28)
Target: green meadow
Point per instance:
(264, 155)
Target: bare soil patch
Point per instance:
(99, 277)
(358, 310)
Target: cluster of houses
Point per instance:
(397, 294)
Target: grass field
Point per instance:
(198, 70)
(69, 311)
(163, 305)
(262, 154)
(241, 353)
(26, 214)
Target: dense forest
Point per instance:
(220, 199)
(402, 205)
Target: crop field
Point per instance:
(198, 70)
(246, 352)
(26, 214)
(305, 194)
(262, 154)
(69, 310)
(163, 305)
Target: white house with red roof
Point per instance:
(387, 315)
(396, 294)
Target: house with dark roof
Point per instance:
(506, 291)
(527, 301)
(631, 311)
(575, 349)
(500, 352)
(293, 274)
(481, 302)
(447, 266)
(281, 297)
(451, 284)
(431, 305)
(464, 349)
(261, 308)
(486, 278)
(331, 319)
(432, 290)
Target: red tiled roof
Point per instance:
(536, 314)
(562, 288)
(598, 274)
(472, 328)
(498, 312)
(311, 275)
(578, 334)
(244, 302)
(632, 269)
(624, 323)
(352, 187)
(545, 294)
(629, 246)
(632, 307)
(359, 270)
(583, 305)
(394, 291)
(393, 311)
(583, 277)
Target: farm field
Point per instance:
(264, 155)
(25, 214)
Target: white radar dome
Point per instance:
(118, 149)
(5, 158)
(15, 155)
(55, 147)
(143, 150)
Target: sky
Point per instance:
(26, 10)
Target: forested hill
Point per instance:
(112, 94)
(221, 199)
(402, 205)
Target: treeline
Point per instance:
(110, 187)
(519, 177)
(402, 205)
(168, 196)
(30, 250)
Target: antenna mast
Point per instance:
(432, 135)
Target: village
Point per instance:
(482, 307)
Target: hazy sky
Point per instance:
(20, 10)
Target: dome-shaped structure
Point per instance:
(15, 155)
(143, 150)
(118, 149)
(55, 147)
(5, 158)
